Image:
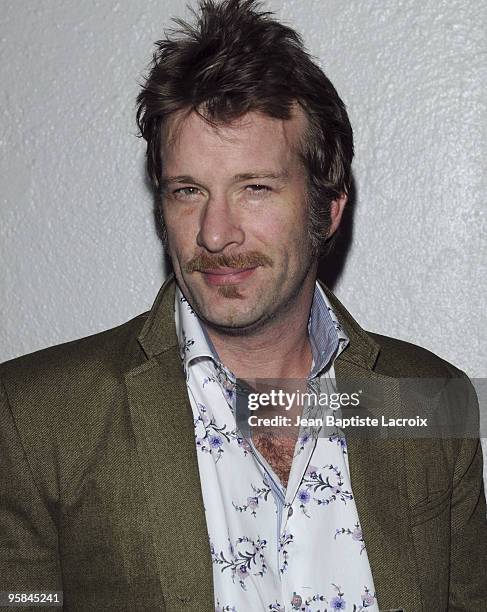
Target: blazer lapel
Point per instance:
(378, 476)
(163, 427)
(378, 472)
(162, 422)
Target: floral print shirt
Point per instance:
(275, 549)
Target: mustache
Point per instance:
(251, 259)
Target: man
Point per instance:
(126, 480)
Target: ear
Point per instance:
(336, 211)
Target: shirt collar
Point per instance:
(194, 343)
(327, 337)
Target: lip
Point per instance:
(226, 276)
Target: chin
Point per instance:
(238, 325)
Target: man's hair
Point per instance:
(236, 59)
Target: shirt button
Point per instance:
(290, 512)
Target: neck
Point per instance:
(280, 349)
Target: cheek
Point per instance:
(285, 226)
(181, 231)
(280, 220)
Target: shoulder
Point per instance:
(432, 384)
(424, 372)
(59, 403)
(386, 355)
(62, 370)
(398, 358)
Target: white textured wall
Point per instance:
(78, 248)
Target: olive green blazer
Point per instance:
(100, 495)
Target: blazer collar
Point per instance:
(159, 332)
(163, 427)
(362, 350)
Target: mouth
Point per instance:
(226, 276)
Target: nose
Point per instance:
(219, 225)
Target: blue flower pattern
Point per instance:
(355, 533)
(252, 504)
(253, 561)
(245, 558)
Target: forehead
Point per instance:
(253, 138)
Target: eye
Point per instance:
(186, 193)
(258, 189)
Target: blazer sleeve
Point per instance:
(29, 558)
(468, 577)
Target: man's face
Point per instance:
(237, 219)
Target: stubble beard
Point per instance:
(230, 292)
(273, 313)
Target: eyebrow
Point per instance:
(185, 178)
(261, 175)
